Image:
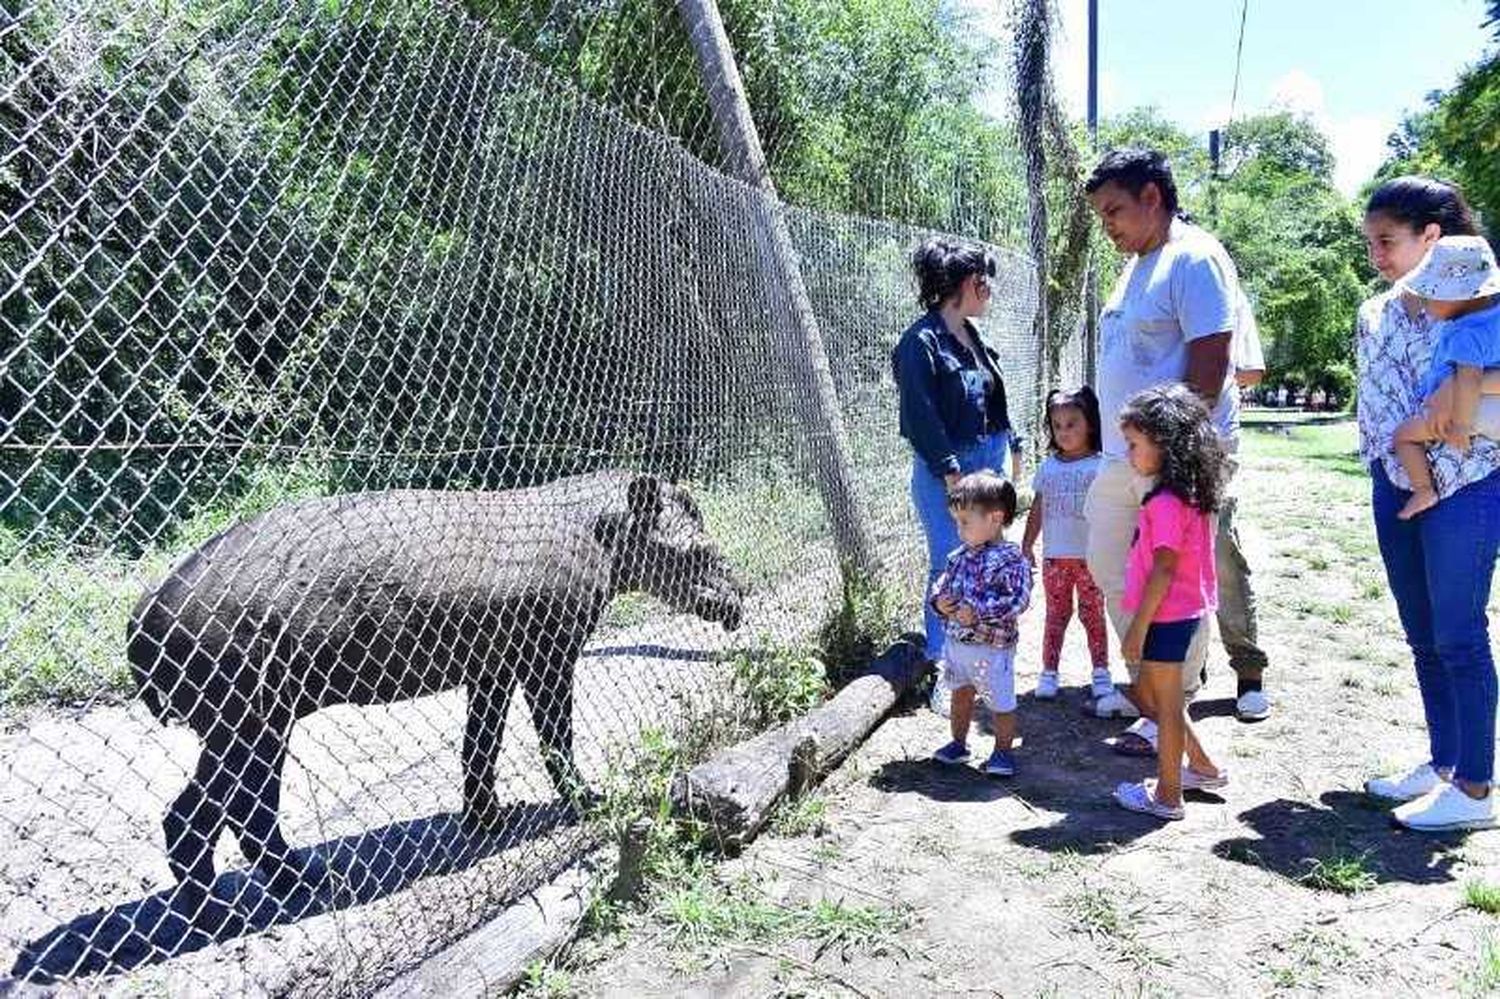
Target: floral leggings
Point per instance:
(1060, 577)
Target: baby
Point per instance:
(1459, 284)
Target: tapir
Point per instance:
(379, 597)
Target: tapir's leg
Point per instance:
(549, 692)
(489, 699)
(195, 819)
(192, 826)
(254, 805)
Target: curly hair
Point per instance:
(1086, 402)
(1193, 462)
(942, 264)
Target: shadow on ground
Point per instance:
(1295, 837)
(363, 868)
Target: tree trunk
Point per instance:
(804, 356)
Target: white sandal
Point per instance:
(1138, 798)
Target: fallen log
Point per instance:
(734, 793)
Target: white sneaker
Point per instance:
(1046, 685)
(1111, 705)
(1445, 809)
(1102, 684)
(1408, 786)
(1252, 705)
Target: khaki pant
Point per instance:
(1111, 508)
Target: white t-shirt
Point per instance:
(1184, 290)
(1245, 353)
(1061, 486)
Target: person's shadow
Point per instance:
(1351, 833)
(362, 868)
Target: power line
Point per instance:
(1239, 53)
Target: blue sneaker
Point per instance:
(1000, 764)
(953, 753)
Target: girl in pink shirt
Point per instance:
(1169, 582)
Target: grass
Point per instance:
(1095, 912)
(803, 816)
(1330, 447)
(544, 981)
(1346, 874)
(1484, 978)
(1309, 953)
(707, 913)
(63, 609)
(1483, 897)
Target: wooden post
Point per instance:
(804, 356)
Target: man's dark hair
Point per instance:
(1417, 202)
(942, 264)
(1133, 169)
(984, 491)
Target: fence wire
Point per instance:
(362, 365)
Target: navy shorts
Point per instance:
(1168, 641)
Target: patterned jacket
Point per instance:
(995, 581)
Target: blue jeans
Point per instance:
(930, 496)
(1439, 565)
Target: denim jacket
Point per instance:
(944, 405)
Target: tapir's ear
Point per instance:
(645, 500)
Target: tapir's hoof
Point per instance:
(485, 819)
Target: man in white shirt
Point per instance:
(1171, 317)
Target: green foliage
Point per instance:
(1347, 874)
(807, 815)
(780, 682)
(1456, 136)
(1483, 897)
(865, 621)
(1296, 240)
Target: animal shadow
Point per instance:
(363, 868)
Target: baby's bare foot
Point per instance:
(1422, 499)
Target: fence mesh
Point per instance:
(362, 365)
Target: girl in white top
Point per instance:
(1061, 484)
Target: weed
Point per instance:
(866, 619)
(1344, 873)
(1484, 897)
(780, 682)
(1372, 589)
(1310, 953)
(801, 816)
(1352, 681)
(543, 981)
(1484, 978)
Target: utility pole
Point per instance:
(1215, 151)
(1091, 278)
(803, 355)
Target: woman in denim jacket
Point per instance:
(953, 410)
(1439, 563)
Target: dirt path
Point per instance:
(944, 883)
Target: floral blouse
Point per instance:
(1394, 349)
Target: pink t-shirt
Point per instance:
(1165, 521)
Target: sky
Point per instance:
(1354, 66)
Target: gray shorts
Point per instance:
(990, 670)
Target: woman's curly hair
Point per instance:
(1193, 462)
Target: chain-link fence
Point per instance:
(363, 364)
